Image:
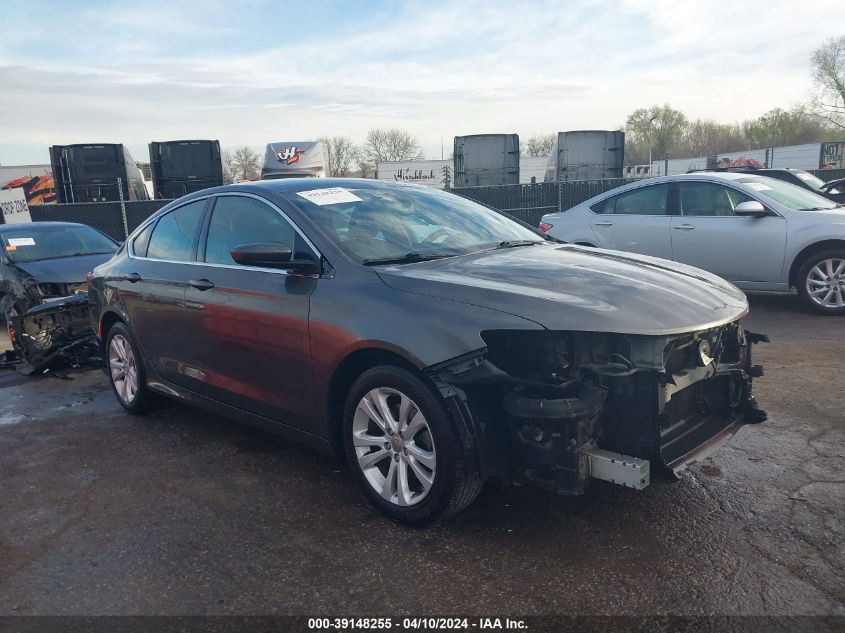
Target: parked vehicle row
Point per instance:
(758, 232)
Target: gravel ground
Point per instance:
(182, 512)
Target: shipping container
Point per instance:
(305, 159)
(181, 167)
(90, 173)
(483, 160)
(586, 155)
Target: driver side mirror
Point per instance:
(271, 255)
(751, 209)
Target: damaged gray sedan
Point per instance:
(433, 342)
(43, 290)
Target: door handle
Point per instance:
(132, 277)
(684, 227)
(201, 284)
(605, 223)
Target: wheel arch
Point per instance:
(107, 320)
(808, 252)
(346, 372)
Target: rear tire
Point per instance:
(125, 369)
(821, 282)
(403, 449)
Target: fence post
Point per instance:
(123, 208)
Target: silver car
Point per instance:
(759, 233)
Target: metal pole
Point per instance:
(123, 207)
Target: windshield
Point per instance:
(51, 242)
(810, 179)
(791, 196)
(382, 223)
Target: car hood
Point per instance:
(566, 287)
(64, 270)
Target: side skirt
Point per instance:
(181, 394)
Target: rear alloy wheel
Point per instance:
(821, 282)
(404, 449)
(126, 371)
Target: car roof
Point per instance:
(281, 185)
(13, 228)
(726, 175)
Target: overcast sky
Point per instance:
(253, 72)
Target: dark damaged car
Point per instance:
(434, 342)
(43, 289)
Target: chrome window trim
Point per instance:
(130, 247)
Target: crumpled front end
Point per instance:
(555, 409)
(55, 332)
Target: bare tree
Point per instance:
(539, 145)
(659, 128)
(828, 67)
(242, 164)
(343, 154)
(781, 127)
(704, 137)
(366, 168)
(390, 144)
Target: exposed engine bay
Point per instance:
(558, 408)
(57, 332)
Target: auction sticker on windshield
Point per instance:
(21, 241)
(330, 195)
(759, 186)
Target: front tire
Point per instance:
(821, 282)
(403, 448)
(125, 369)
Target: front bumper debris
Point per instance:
(624, 470)
(561, 408)
(53, 334)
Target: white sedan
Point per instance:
(759, 233)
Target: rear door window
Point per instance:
(643, 201)
(175, 233)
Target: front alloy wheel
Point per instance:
(822, 282)
(393, 445)
(403, 447)
(826, 283)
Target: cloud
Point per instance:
(248, 76)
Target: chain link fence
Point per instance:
(530, 202)
(828, 174)
(105, 216)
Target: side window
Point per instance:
(600, 206)
(238, 220)
(709, 199)
(174, 234)
(644, 201)
(140, 243)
